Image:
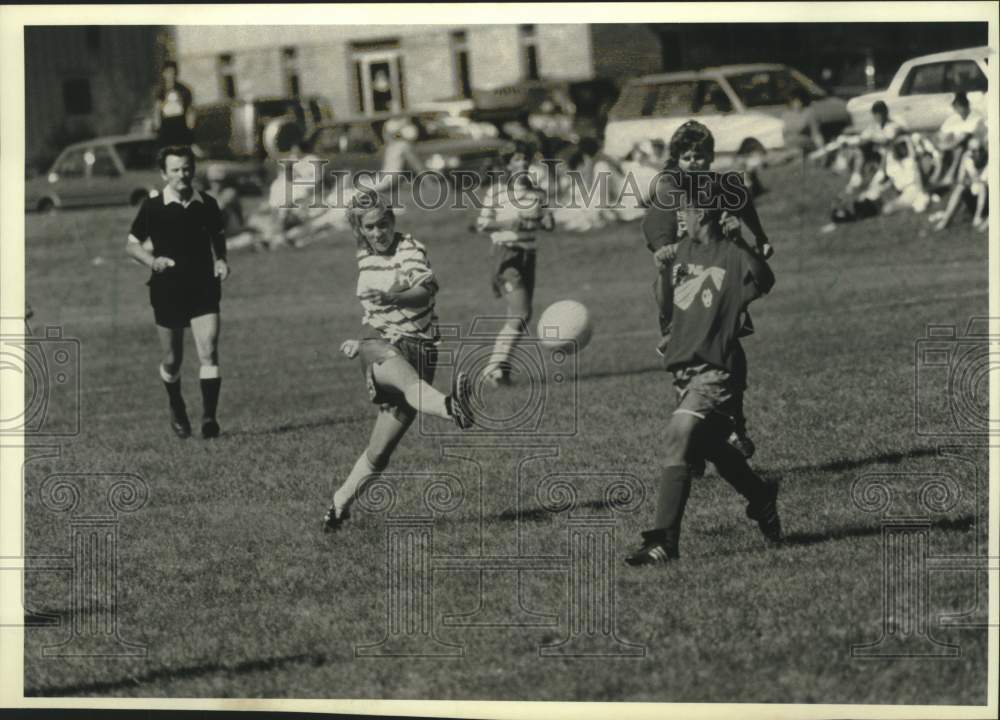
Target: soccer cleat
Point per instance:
(697, 468)
(333, 522)
(181, 427)
(743, 443)
(210, 429)
(179, 422)
(765, 512)
(459, 402)
(654, 551)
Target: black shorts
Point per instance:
(175, 303)
(515, 269)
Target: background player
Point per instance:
(397, 288)
(188, 263)
(513, 213)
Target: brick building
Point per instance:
(365, 69)
(85, 81)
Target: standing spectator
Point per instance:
(174, 116)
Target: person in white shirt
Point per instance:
(954, 135)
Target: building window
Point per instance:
(290, 67)
(529, 52)
(460, 61)
(227, 76)
(76, 96)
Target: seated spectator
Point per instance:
(883, 129)
(801, 128)
(902, 172)
(238, 234)
(971, 188)
(954, 136)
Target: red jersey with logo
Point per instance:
(713, 281)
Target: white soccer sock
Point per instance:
(424, 398)
(167, 377)
(208, 372)
(502, 349)
(363, 471)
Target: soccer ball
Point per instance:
(565, 326)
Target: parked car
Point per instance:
(118, 170)
(113, 170)
(741, 104)
(358, 144)
(920, 94)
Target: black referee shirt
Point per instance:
(183, 234)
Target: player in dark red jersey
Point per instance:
(706, 285)
(688, 190)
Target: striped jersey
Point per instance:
(519, 209)
(405, 268)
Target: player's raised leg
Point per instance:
(397, 374)
(205, 329)
(172, 346)
(390, 427)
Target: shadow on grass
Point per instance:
(887, 458)
(182, 673)
(964, 523)
(300, 425)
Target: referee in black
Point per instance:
(179, 234)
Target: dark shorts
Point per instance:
(421, 354)
(514, 269)
(175, 303)
(704, 391)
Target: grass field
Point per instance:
(227, 580)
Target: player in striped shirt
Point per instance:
(397, 347)
(513, 213)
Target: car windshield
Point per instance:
(770, 87)
(138, 154)
(655, 99)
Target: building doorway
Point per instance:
(381, 82)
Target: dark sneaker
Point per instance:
(181, 427)
(179, 423)
(765, 512)
(654, 551)
(210, 429)
(332, 522)
(744, 444)
(460, 404)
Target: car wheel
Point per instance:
(138, 196)
(45, 205)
